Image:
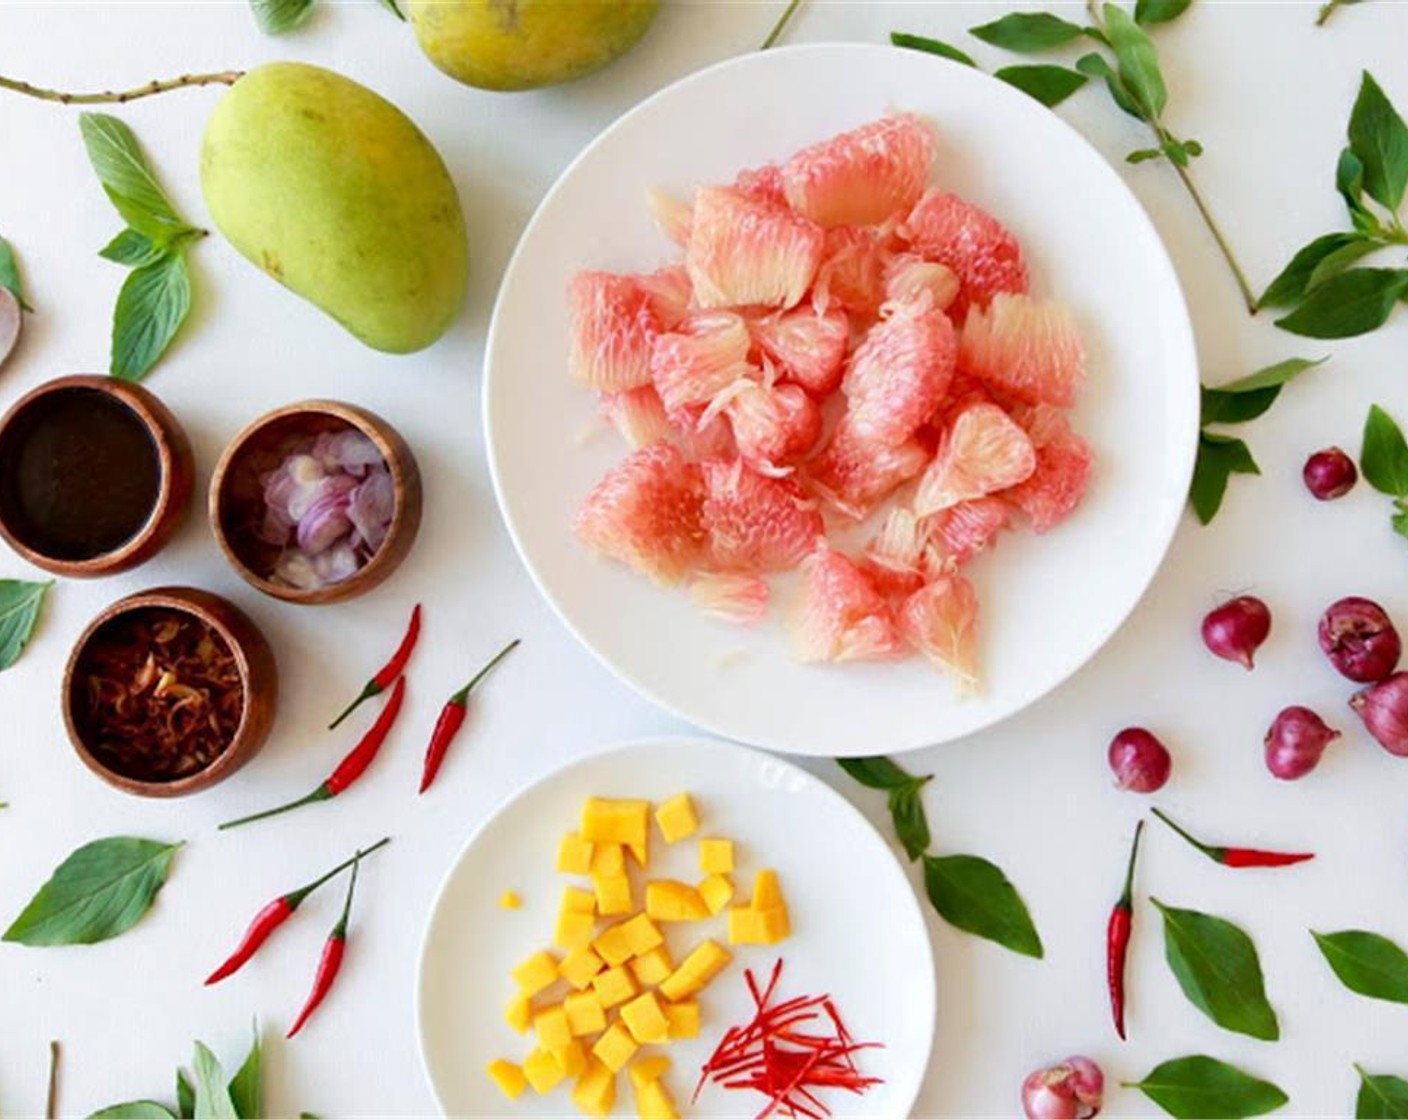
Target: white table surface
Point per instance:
(1266, 93)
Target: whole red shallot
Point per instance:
(1295, 741)
(1141, 763)
(1360, 639)
(1384, 709)
(1073, 1089)
(1329, 474)
(1235, 630)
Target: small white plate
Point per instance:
(858, 933)
(1048, 603)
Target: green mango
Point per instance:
(336, 194)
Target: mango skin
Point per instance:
(336, 194)
(526, 44)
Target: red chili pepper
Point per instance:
(278, 912)
(1237, 857)
(331, 960)
(350, 768)
(389, 673)
(1117, 936)
(452, 719)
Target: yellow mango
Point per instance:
(615, 821)
(613, 945)
(677, 818)
(608, 859)
(684, 1018)
(510, 900)
(577, 901)
(652, 1067)
(642, 934)
(571, 1059)
(652, 967)
(767, 891)
(707, 960)
(639, 851)
(519, 1013)
(645, 1020)
(613, 894)
(615, 1047)
(747, 926)
(508, 1077)
(595, 1091)
(536, 973)
(667, 900)
(579, 966)
(585, 1014)
(551, 1027)
(716, 891)
(615, 985)
(716, 856)
(653, 1102)
(542, 1071)
(574, 930)
(574, 855)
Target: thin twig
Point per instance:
(51, 1102)
(780, 26)
(109, 97)
(1326, 11)
(1248, 296)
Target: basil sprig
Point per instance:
(1382, 1096)
(10, 274)
(1367, 963)
(905, 803)
(156, 297)
(1197, 1086)
(1383, 460)
(204, 1094)
(1328, 298)
(275, 17)
(1217, 966)
(20, 604)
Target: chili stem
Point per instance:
(110, 97)
(51, 1100)
(462, 696)
(1126, 901)
(371, 689)
(339, 931)
(781, 25)
(322, 793)
(1206, 849)
(295, 897)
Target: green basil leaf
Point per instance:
(1383, 456)
(20, 603)
(10, 274)
(101, 890)
(1399, 521)
(151, 307)
(1219, 457)
(1143, 155)
(1148, 12)
(390, 6)
(876, 772)
(1340, 260)
(1093, 65)
(910, 821)
(1028, 32)
(1378, 136)
(974, 895)
(1197, 1087)
(931, 46)
(1177, 151)
(1217, 967)
(133, 1110)
(1272, 376)
(185, 1096)
(1138, 61)
(1352, 303)
(1367, 963)
(247, 1086)
(1381, 1096)
(132, 249)
(1220, 406)
(1050, 85)
(126, 177)
(274, 17)
(212, 1096)
(1294, 280)
(1349, 181)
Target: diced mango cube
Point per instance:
(767, 891)
(615, 821)
(551, 1026)
(510, 900)
(640, 852)
(542, 1071)
(579, 966)
(571, 1059)
(650, 1068)
(615, 1047)
(716, 891)
(684, 1018)
(574, 855)
(613, 945)
(519, 1013)
(642, 934)
(585, 1014)
(613, 894)
(747, 926)
(595, 1091)
(677, 818)
(509, 1078)
(652, 967)
(645, 1020)
(576, 900)
(608, 859)
(615, 985)
(668, 900)
(574, 930)
(707, 960)
(716, 856)
(536, 973)
(653, 1102)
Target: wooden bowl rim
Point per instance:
(164, 430)
(405, 477)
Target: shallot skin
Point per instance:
(1236, 630)
(1384, 709)
(1073, 1089)
(1139, 761)
(1295, 741)
(1360, 640)
(1329, 474)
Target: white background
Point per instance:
(1265, 92)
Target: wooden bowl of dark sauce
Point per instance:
(169, 692)
(96, 475)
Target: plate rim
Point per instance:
(1180, 325)
(674, 743)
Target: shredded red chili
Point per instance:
(1236, 857)
(788, 1050)
(389, 673)
(1117, 936)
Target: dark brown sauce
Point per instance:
(79, 475)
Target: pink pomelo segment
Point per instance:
(966, 529)
(672, 216)
(808, 348)
(941, 621)
(842, 617)
(773, 425)
(669, 295)
(851, 275)
(910, 279)
(692, 366)
(647, 513)
(731, 598)
(1027, 348)
(853, 475)
(863, 176)
(894, 558)
(982, 451)
(984, 256)
(746, 252)
(612, 331)
(754, 523)
(638, 414)
(1063, 464)
(899, 374)
(762, 184)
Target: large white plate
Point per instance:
(857, 929)
(1048, 602)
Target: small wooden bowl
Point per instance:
(259, 677)
(176, 466)
(237, 498)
